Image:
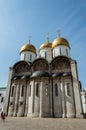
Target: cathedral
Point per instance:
(46, 85)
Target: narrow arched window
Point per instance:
(22, 91)
(45, 55)
(2, 99)
(30, 90)
(68, 89)
(30, 57)
(37, 89)
(24, 56)
(54, 53)
(12, 91)
(56, 90)
(60, 51)
(66, 51)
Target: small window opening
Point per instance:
(22, 91)
(12, 91)
(68, 89)
(30, 90)
(56, 90)
(37, 89)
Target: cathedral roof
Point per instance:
(40, 74)
(61, 74)
(28, 47)
(46, 44)
(60, 41)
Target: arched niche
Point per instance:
(21, 67)
(60, 64)
(40, 64)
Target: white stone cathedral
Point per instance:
(44, 86)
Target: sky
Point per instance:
(20, 19)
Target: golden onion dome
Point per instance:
(28, 47)
(60, 41)
(46, 44)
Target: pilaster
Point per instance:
(41, 100)
(76, 88)
(7, 97)
(63, 99)
(16, 99)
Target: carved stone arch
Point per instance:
(40, 64)
(21, 67)
(60, 64)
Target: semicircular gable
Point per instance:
(60, 64)
(21, 67)
(60, 57)
(40, 64)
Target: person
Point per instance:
(2, 115)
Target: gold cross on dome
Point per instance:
(58, 31)
(29, 38)
(47, 37)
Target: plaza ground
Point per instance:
(25, 123)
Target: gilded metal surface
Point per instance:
(60, 41)
(46, 44)
(28, 47)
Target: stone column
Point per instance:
(33, 96)
(16, 100)
(31, 100)
(21, 99)
(76, 89)
(41, 99)
(59, 99)
(7, 96)
(69, 98)
(26, 99)
(63, 99)
(12, 99)
(51, 104)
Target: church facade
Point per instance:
(44, 86)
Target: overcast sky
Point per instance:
(20, 19)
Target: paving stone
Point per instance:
(25, 123)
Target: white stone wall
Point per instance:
(22, 99)
(12, 100)
(27, 56)
(76, 89)
(57, 100)
(37, 98)
(45, 98)
(48, 53)
(16, 102)
(39, 104)
(69, 99)
(31, 98)
(6, 101)
(61, 51)
(46, 103)
(63, 104)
